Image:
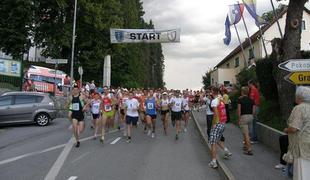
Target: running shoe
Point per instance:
(149, 132)
(77, 144)
(213, 164)
(279, 166)
(125, 133)
(185, 130)
(145, 130)
(227, 154)
(102, 139)
(176, 137)
(153, 135)
(128, 140)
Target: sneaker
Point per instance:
(149, 132)
(213, 164)
(128, 140)
(77, 144)
(176, 137)
(227, 154)
(279, 166)
(119, 128)
(254, 142)
(185, 130)
(145, 130)
(153, 135)
(125, 133)
(102, 139)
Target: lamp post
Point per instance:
(73, 42)
(153, 74)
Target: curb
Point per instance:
(225, 173)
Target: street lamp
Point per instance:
(73, 43)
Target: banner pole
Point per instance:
(245, 61)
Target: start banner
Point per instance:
(144, 36)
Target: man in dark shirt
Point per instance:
(246, 111)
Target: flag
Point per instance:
(235, 13)
(250, 5)
(227, 39)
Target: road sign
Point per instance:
(56, 61)
(295, 65)
(299, 78)
(80, 70)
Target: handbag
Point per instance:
(288, 157)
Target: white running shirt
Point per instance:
(132, 107)
(176, 104)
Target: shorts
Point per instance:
(176, 116)
(96, 116)
(79, 116)
(122, 111)
(164, 112)
(246, 123)
(132, 120)
(116, 107)
(153, 116)
(216, 133)
(108, 114)
(185, 111)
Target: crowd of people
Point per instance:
(125, 109)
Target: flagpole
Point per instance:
(263, 40)
(246, 29)
(245, 61)
(277, 18)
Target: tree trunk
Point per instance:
(289, 49)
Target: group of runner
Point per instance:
(122, 109)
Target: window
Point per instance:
(39, 99)
(303, 25)
(24, 99)
(251, 53)
(237, 62)
(5, 100)
(227, 65)
(226, 83)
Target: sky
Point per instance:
(202, 32)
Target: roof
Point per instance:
(22, 93)
(253, 38)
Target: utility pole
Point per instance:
(73, 43)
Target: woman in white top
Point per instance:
(95, 105)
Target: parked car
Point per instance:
(27, 107)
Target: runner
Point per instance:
(176, 112)
(122, 111)
(186, 110)
(164, 107)
(218, 127)
(151, 114)
(142, 109)
(107, 111)
(76, 103)
(95, 105)
(132, 115)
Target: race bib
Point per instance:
(178, 104)
(107, 108)
(75, 106)
(150, 105)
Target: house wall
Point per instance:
(218, 76)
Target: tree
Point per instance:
(288, 48)
(206, 79)
(16, 26)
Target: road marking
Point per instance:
(45, 150)
(80, 157)
(70, 127)
(53, 172)
(115, 141)
(72, 178)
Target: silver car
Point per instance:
(26, 107)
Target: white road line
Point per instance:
(72, 178)
(80, 157)
(53, 172)
(115, 141)
(70, 127)
(43, 151)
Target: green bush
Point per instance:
(267, 83)
(269, 114)
(245, 75)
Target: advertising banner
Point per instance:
(145, 36)
(10, 67)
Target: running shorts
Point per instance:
(216, 133)
(108, 114)
(153, 116)
(132, 120)
(176, 116)
(164, 112)
(96, 116)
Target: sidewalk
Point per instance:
(260, 166)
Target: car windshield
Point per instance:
(45, 79)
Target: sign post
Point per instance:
(56, 62)
(300, 71)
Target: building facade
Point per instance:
(225, 71)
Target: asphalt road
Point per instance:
(35, 153)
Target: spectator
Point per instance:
(283, 140)
(66, 85)
(299, 134)
(246, 111)
(227, 103)
(92, 86)
(254, 95)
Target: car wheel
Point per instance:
(42, 119)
